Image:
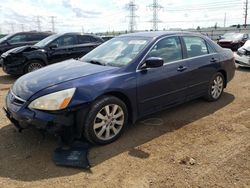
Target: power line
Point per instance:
(132, 7)
(246, 13)
(155, 7)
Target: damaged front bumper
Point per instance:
(13, 65)
(53, 122)
(242, 60)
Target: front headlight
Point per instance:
(54, 101)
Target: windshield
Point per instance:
(233, 36)
(46, 41)
(116, 52)
(5, 38)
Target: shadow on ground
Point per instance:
(243, 69)
(7, 79)
(28, 157)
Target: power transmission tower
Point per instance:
(132, 7)
(38, 22)
(246, 13)
(155, 7)
(53, 23)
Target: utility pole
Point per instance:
(155, 7)
(12, 27)
(38, 22)
(225, 19)
(22, 27)
(53, 23)
(132, 7)
(246, 13)
(82, 30)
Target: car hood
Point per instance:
(31, 83)
(19, 50)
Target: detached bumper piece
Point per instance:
(74, 156)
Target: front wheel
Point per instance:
(33, 65)
(216, 87)
(106, 120)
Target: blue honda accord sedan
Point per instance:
(122, 80)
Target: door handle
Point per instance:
(181, 68)
(213, 60)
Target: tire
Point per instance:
(33, 65)
(215, 87)
(106, 120)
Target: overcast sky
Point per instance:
(108, 15)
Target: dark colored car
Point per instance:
(233, 40)
(106, 38)
(20, 39)
(119, 82)
(53, 49)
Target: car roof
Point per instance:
(34, 32)
(156, 34)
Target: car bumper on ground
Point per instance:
(242, 60)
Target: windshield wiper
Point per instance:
(95, 62)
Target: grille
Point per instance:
(15, 99)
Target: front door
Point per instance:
(165, 86)
(63, 51)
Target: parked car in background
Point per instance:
(120, 81)
(242, 57)
(108, 37)
(233, 40)
(20, 39)
(2, 35)
(53, 49)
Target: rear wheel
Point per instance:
(216, 87)
(33, 65)
(106, 120)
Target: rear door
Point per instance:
(201, 60)
(85, 45)
(164, 86)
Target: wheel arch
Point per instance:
(124, 98)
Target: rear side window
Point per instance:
(195, 46)
(65, 41)
(169, 49)
(35, 37)
(85, 39)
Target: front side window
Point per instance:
(169, 49)
(195, 46)
(17, 39)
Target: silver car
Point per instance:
(242, 56)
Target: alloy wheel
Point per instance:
(217, 87)
(34, 66)
(109, 122)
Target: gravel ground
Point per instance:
(197, 144)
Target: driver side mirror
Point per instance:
(53, 46)
(154, 62)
